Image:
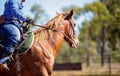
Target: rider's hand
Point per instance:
(30, 20)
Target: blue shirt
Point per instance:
(13, 10)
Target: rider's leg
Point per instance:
(12, 33)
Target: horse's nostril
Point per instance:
(75, 44)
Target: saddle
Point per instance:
(23, 45)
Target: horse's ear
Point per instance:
(69, 15)
(57, 13)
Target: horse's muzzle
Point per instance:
(75, 43)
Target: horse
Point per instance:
(39, 59)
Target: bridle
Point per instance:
(54, 30)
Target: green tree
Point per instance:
(105, 25)
(89, 45)
(76, 9)
(39, 14)
(98, 24)
(114, 24)
(113, 29)
(101, 17)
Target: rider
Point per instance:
(10, 29)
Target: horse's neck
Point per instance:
(57, 40)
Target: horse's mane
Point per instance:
(43, 33)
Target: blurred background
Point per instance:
(98, 30)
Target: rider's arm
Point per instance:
(16, 10)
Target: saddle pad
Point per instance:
(27, 43)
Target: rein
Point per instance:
(54, 31)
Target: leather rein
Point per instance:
(54, 30)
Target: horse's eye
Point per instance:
(74, 24)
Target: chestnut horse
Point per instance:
(39, 59)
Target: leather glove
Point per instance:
(29, 21)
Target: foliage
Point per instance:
(76, 9)
(101, 17)
(105, 15)
(113, 29)
(114, 24)
(39, 13)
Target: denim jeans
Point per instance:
(12, 33)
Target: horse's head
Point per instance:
(67, 28)
(70, 35)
